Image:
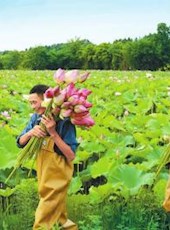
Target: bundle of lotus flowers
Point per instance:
(62, 101)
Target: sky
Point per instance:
(31, 23)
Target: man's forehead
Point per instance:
(34, 97)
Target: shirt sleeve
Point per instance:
(67, 132)
(29, 126)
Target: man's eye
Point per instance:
(32, 102)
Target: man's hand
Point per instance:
(37, 131)
(49, 123)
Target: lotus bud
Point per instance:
(56, 111)
(66, 105)
(59, 76)
(80, 109)
(74, 100)
(80, 115)
(84, 92)
(46, 102)
(71, 76)
(59, 100)
(87, 121)
(56, 91)
(87, 104)
(65, 113)
(49, 93)
(71, 90)
(83, 77)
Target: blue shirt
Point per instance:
(64, 128)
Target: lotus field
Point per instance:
(116, 161)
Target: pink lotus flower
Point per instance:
(45, 103)
(56, 91)
(49, 93)
(80, 109)
(59, 76)
(79, 115)
(86, 121)
(83, 77)
(70, 90)
(52, 92)
(58, 100)
(87, 104)
(71, 76)
(65, 113)
(56, 111)
(6, 114)
(66, 105)
(84, 92)
(74, 99)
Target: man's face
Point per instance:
(35, 102)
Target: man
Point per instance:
(54, 162)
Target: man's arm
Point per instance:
(50, 125)
(32, 129)
(65, 148)
(36, 131)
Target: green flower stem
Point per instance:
(165, 159)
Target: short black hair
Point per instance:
(39, 89)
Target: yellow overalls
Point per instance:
(54, 175)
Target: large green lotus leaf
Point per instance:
(81, 156)
(102, 167)
(129, 96)
(93, 147)
(8, 149)
(144, 105)
(166, 129)
(130, 177)
(135, 123)
(155, 153)
(140, 107)
(113, 123)
(165, 101)
(75, 185)
(145, 166)
(85, 175)
(141, 138)
(151, 157)
(153, 124)
(96, 131)
(128, 140)
(154, 134)
(131, 108)
(160, 117)
(98, 194)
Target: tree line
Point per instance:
(151, 52)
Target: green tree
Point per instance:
(145, 53)
(35, 58)
(103, 56)
(117, 55)
(88, 56)
(10, 60)
(163, 43)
